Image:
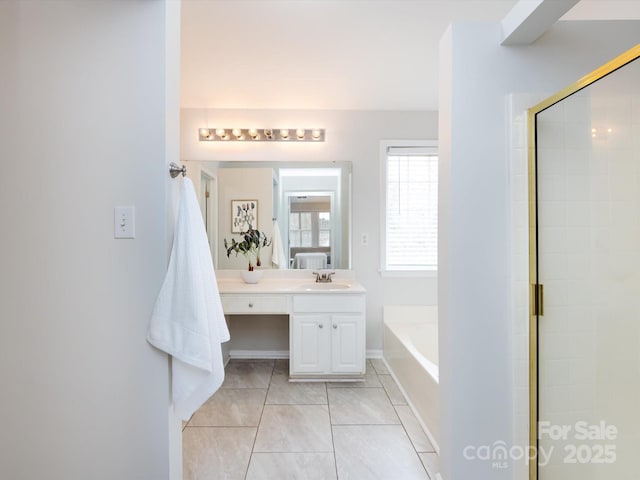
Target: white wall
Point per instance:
(350, 136)
(477, 75)
(82, 129)
(244, 184)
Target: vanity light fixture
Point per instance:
(221, 133)
(261, 134)
(205, 133)
(602, 133)
(238, 134)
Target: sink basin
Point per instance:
(310, 287)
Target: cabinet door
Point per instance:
(347, 343)
(310, 343)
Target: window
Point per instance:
(301, 231)
(410, 206)
(324, 229)
(310, 221)
(310, 229)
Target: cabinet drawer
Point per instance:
(328, 303)
(248, 304)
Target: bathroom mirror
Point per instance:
(308, 202)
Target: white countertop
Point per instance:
(288, 282)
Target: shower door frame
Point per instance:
(536, 299)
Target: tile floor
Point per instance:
(261, 426)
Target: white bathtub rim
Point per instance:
(426, 430)
(431, 368)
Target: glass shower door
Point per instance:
(588, 260)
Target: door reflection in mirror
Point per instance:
(314, 218)
(310, 230)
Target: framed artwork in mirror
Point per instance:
(244, 213)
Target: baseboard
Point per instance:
(258, 354)
(374, 353)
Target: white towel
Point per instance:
(277, 257)
(187, 321)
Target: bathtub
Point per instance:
(411, 353)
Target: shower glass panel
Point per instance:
(587, 174)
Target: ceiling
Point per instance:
(331, 54)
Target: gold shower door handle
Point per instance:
(537, 299)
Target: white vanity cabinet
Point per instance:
(255, 304)
(327, 336)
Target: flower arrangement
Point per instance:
(250, 245)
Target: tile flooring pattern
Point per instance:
(261, 426)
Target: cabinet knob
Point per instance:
(251, 305)
(320, 325)
(335, 325)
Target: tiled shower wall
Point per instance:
(589, 207)
(566, 231)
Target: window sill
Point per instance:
(408, 273)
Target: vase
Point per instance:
(251, 276)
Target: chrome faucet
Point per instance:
(323, 277)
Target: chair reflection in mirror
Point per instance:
(310, 260)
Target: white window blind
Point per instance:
(411, 209)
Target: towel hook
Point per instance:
(175, 170)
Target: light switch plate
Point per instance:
(124, 222)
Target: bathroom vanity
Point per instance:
(327, 321)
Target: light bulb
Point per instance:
(237, 133)
(253, 133)
(316, 133)
(221, 132)
(300, 133)
(205, 133)
(268, 133)
(284, 133)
